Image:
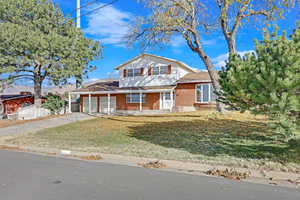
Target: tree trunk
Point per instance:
(37, 90)
(231, 44)
(213, 76)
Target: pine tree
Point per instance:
(37, 42)
(267, 81)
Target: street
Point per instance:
(34, 177)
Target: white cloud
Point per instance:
(109, 25)
(220, 60)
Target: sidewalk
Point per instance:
(35, 126)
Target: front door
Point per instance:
(104, 104)
(165, 101)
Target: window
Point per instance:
(164, 69)
(134, 72)
(135, 98)
(205, 93)
(155, 70)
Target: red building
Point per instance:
(11, 103)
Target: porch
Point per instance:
(125, 102)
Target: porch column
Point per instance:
(141, 102)
(108, 104)
(70, 103)
(172, 100)
(90, 103)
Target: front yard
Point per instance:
(232, 139)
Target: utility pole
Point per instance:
(78, 15)
(78, 25)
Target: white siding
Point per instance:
(153, 80)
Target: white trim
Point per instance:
(90, 103)
(195, 81)
(124, 91)
(108, 104)
(141, 101)
(70, 103)
(172, 100)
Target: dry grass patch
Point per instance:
(233, 139)
(90, 157)
(4, 147)
(229, 173)
(154, 164)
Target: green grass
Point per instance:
(232, 139)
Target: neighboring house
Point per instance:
(12, 102)
(149, 83)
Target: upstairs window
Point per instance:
(205, 93)
(134, 72)
(164, 69)
(135, 98)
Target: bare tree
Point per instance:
(192, 18)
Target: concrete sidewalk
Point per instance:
(35, 126)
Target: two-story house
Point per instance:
(149, 83)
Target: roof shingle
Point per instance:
(199, 76)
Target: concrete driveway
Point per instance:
(42, 124)
(34, 177)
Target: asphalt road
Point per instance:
(33, 177)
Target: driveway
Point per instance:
(41, 124)
(34, 177)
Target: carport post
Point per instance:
(90, 103)
(70, 103)
(141, 102)
(172, 101)
(108, 104)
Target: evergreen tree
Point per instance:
(38, 43)
(267, 81)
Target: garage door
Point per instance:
(86, 104)
(104, 104)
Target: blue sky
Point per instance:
(109, 25)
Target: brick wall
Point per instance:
(185, 94)
(152, 102)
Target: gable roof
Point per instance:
(159, 57)
(196, 77)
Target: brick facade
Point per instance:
(185, 94)
(152, 102)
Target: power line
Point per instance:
(100, 7)
(86, 4)
(92, 2)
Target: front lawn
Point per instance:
(232, 139)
